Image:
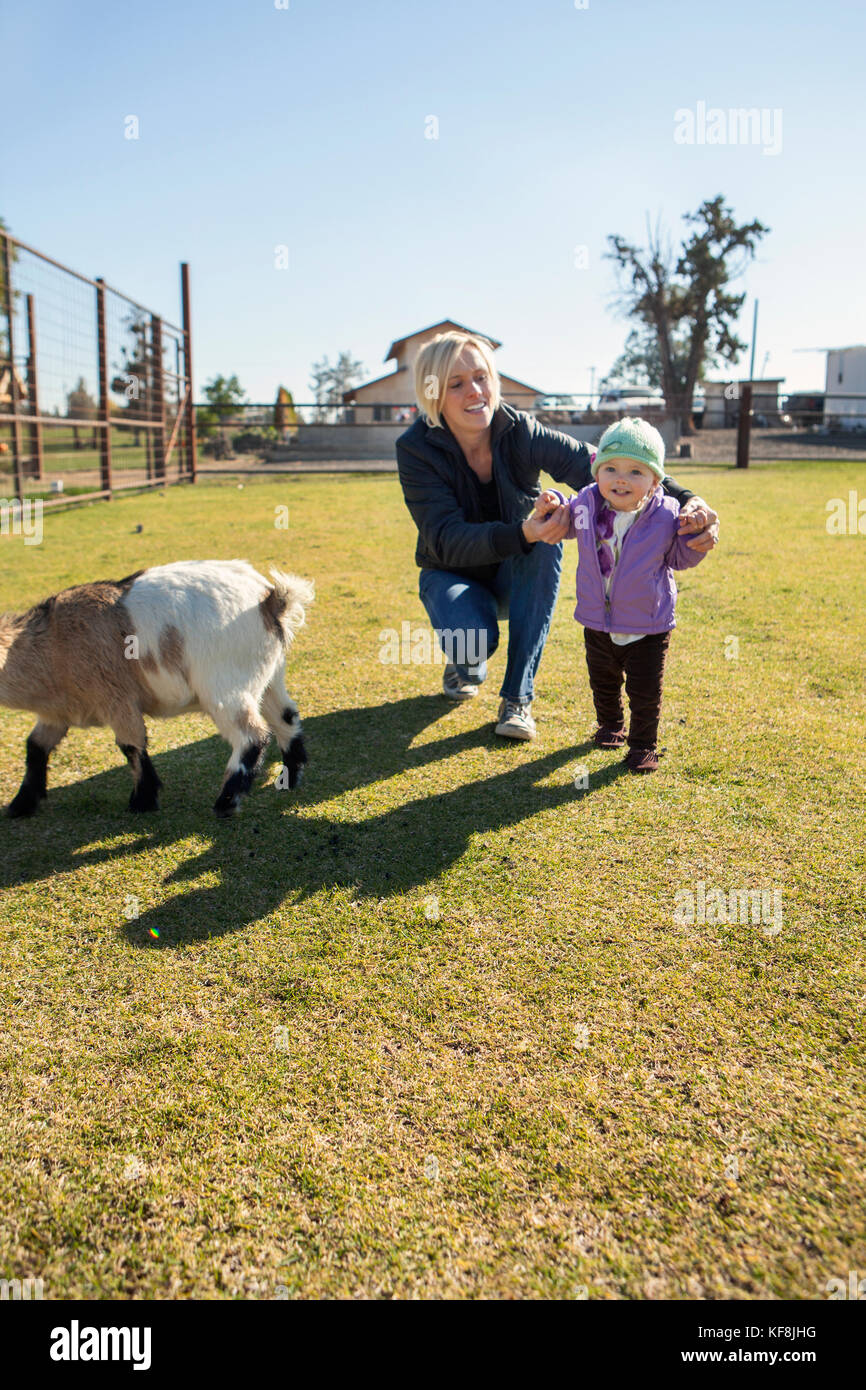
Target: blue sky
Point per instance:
(305, 127)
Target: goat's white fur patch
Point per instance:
(228, 651)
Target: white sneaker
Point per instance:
(515, 719)
(454, 687)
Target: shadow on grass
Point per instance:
(276, 853)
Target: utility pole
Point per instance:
(744, 425)
(754, 339)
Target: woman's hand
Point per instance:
(698, 518)
(549, 522)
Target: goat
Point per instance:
(206, 635)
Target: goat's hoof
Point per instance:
(22, 806)
(141, 805)
(294, 761)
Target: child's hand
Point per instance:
(549, 521)
(700, 521)
(547, 503)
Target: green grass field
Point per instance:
(432, 1026)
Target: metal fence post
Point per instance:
(158, 403)
(104, 398)
(744, 424)
(13, 380)
(190, 440)
(148, 454)
(33, 390)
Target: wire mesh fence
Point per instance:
(94, 388)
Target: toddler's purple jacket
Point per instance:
(643, 592)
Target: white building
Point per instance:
(845, 391)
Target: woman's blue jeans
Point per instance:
(465, 614)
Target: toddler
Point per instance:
(628, 548)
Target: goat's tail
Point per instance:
(287, 602)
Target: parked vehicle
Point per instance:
(620, 400)
(643, 400)
(562, 409)
(631, 400)
(803, 408)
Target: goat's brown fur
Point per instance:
(171, 651)
(60, 658)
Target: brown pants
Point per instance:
(643, 663)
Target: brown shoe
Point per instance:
(641, 760)
(606, 736)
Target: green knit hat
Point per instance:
(631, 439)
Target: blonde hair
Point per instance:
(435, 363)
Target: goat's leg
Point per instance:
(248, 735)
(281, 714)
(131, 736)
(40, 742)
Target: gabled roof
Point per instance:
(362, 386)
(515, 381)
(434, 328)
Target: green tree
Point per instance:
(80, 405)
(640, 362)
(329, 381)
(684, 297)
(135, 369)
(224, 396)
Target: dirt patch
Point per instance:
(720, 446)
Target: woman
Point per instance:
(469, 468)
